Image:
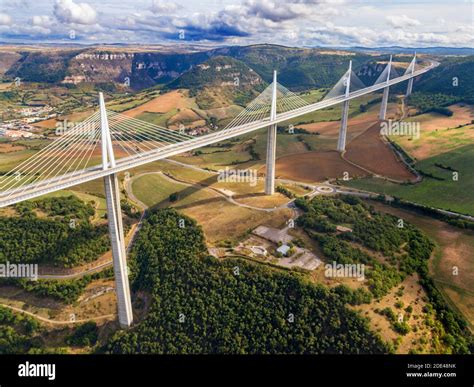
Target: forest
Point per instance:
(203, 305)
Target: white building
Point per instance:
(283, 250)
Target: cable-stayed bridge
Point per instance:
(107, 143)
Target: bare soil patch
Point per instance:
(8, 148)
(371, 152)
(315, 167)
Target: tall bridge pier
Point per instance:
(114, 218)
(411, 68)
(341, 141)
(271, 143)
(383, 107)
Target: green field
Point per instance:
(154, 190)
(160, 119)
(238, 155)
(447, 194)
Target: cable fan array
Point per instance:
(259, 109)
(339, 89)
(78, 149)
(136, 137)
(384, 75)
(72, 151)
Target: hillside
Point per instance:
(220, 81)
(298, 68)
(49, 67)
(452, 78)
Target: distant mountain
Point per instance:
(298, 68)
(420, 50)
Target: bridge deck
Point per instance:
(65, 181)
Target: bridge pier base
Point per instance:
(271, 154)
(341, 141)
(383, 107)
(114, 217)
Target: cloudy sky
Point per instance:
(415, 23)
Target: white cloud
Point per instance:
(42, 21)
(66, 11)
(160, 6)
(5, 20)
(291, 22)
(402, 21)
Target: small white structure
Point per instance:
(283, 249)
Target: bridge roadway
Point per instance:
(65, 181)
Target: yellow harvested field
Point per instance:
(261, 200)
(439, 133)
(462, 114)
(176, 99)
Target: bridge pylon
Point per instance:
(411, 69)
(114, 218)
(341, 141)
(271, 143)
(383, 107)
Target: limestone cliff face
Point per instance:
(101, 67)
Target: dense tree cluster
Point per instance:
(427, 102)
(381, 277)
(202, 305)
(68, 207)
(60, 241)
(84, 335)
(67, 291)
(403, 243)
(285, 191)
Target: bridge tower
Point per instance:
(411, 68)
(114, 217)
(341, 142)
(271, 143)
(383, 107)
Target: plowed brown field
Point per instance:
(315, 167)
(369, 151)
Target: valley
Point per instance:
(399, 307)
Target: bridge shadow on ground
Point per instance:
(191, 189)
